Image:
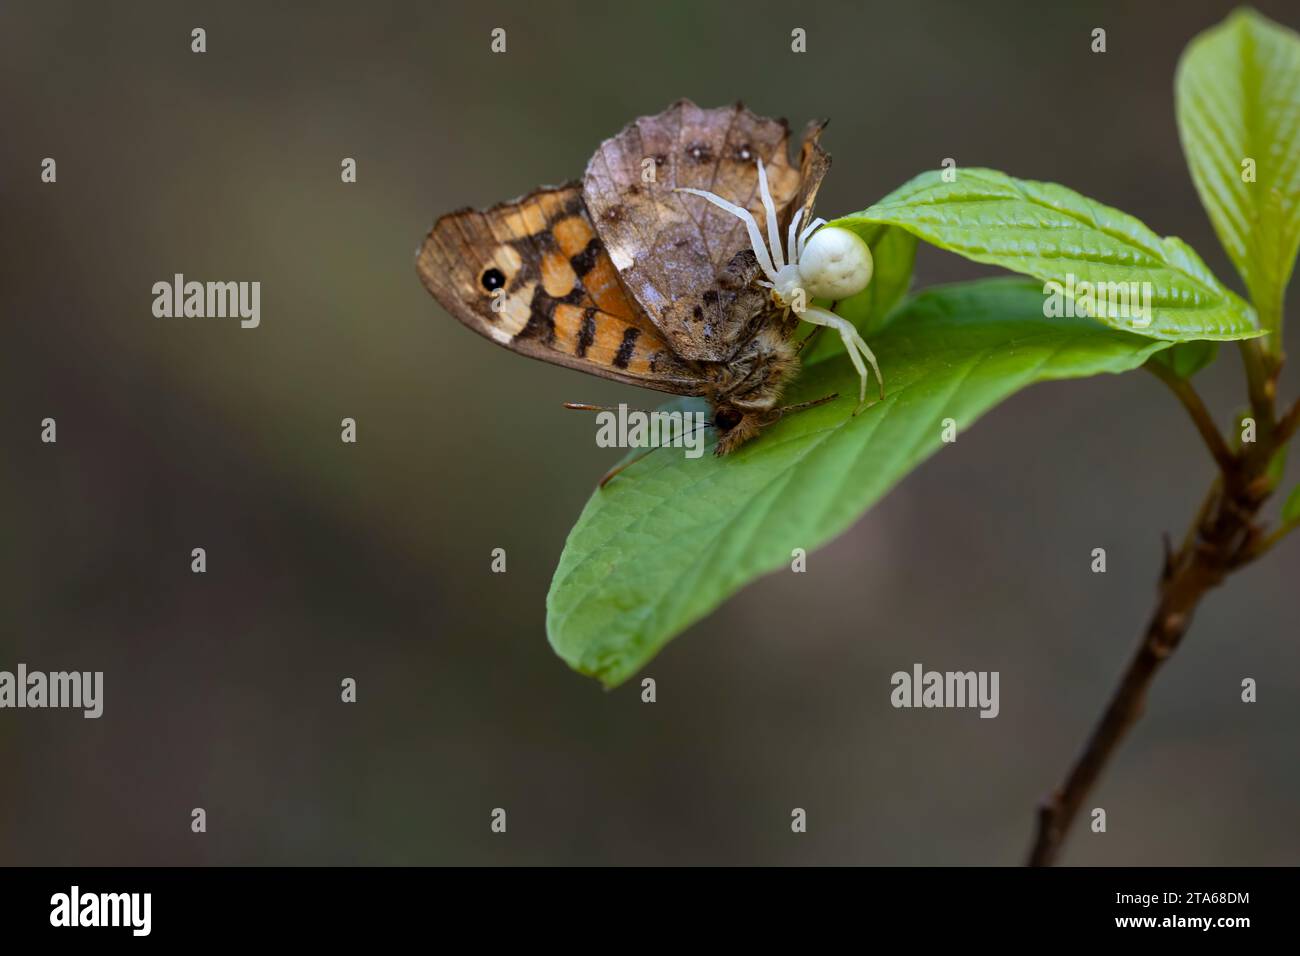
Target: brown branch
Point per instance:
(1202, 514)
(1261, 382)
(1209, 553)
(1200, 416)
(1221, 538)
(1287, 424)
(1266, 544)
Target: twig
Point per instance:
(1200, 415)
(1260, 383)
(1199, 565)
(1287, 424)
(1267, 542)
(1222, 537)
(1202, 515)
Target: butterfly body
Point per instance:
(624, 277)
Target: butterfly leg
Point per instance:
(807, 339)
(853, 344)
(785, 410)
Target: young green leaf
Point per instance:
(1277, 466)
(1291, 509)
(1135, 280)
(1187, 358)
(670, 538)
(1238, 101)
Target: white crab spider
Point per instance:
(829, 263)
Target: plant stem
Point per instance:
(1266, 543)
(1185, 393)
(1222, 537)
(1286, 425)
(1260, 381)
(1208, 555)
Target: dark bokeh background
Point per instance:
(328, 560)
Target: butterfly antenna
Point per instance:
(588, 407)
(608, 476)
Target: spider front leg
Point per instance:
(769, 207)
(744, 215)
(833, 263)
(803, 237)
(772, 261)
(853, 344)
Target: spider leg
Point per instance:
(773, 234)
(755, 237)
(853, 344)
(792, 240)
(811, 228)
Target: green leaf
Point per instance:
(670, 538)
(1238, 93)
(1277, 467)
(1187, 358)
(1291, 510)
(1057, 236)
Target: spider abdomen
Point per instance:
(835, 264)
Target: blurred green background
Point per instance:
(328, 560)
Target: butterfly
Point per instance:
(662, 268)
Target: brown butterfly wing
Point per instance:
(670, 248)
(814, 164)
(559, 297)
